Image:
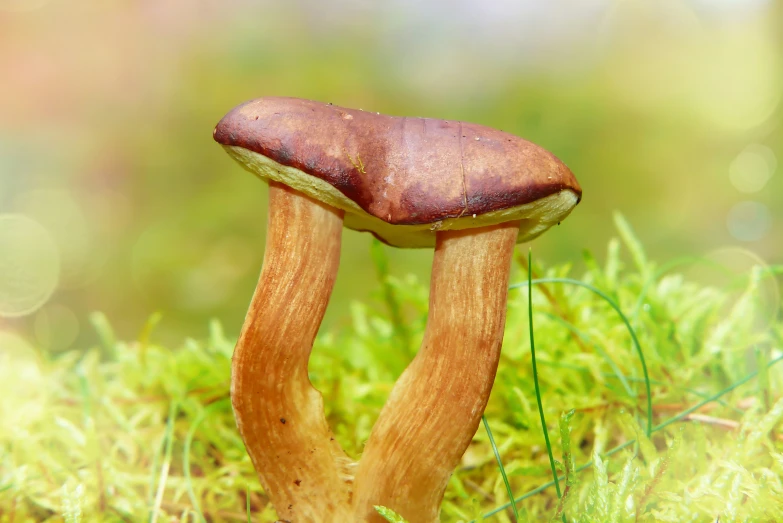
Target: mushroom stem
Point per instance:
(279, 414)
(436, 405)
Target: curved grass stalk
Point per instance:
(500, 466)
(617, 373)
(535, 374)
(631, 331)
(630, 442)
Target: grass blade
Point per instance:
(630, 442)
(616, 307)
(501, 467)
(597, 348)
(535, 371)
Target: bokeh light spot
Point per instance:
(29, 265)
(749, 221)
(752, 168)
(739, 88)
(62, 213)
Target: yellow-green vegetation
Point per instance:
(140, 432)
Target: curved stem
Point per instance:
(436, 405)
(279, 414)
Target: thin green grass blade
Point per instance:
(579, 368)
(764, 386)
(598, 349)
(500, 466)
(715, 396)
(631, 442)
(535, 370)
(616, 307)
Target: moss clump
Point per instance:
(135, 431)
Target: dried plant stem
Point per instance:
(279, 414)
(436, 405)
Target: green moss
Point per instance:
(136, 431)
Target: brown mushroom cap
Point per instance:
(401, 178)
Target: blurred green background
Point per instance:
(113, 196)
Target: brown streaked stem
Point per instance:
(279, 413)
(436, 405)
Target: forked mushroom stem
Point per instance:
(279, 414)
(436, 405)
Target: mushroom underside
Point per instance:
(534, 217)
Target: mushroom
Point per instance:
(470, 192)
